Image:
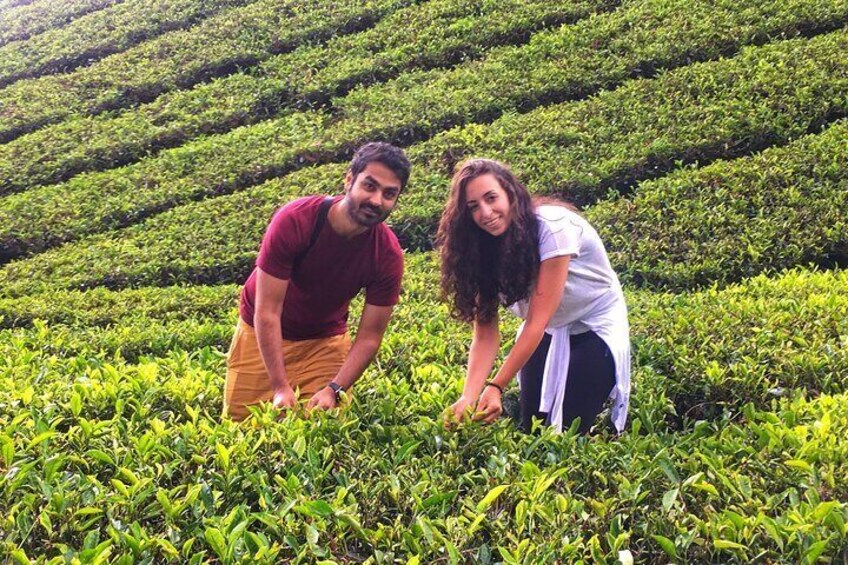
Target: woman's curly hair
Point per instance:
(480, 270)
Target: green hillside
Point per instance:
(144, 145)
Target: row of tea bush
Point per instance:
(25, 21)
(437, 33)
(217, 46)
(88, 39)
(707, 112)
(129, 461)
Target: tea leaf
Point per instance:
(217, 542)
(101, 456)
(490, 497)
(800, 465)
(666, 544)
(726, 544)
(669, 498)
(815, 551)
(42, 437)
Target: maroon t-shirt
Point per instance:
(331, 273)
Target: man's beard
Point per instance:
(362, 215)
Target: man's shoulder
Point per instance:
(388, 241)
(302, 205)
(297, 215)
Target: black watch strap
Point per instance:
(336, 388)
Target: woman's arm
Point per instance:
(543, 303)
(481, 359)
(481, 356)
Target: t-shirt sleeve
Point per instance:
(559, 237)
(284, 240)
(385, 290)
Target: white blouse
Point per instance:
(592, 300)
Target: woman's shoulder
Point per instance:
(556, 217)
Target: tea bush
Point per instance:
(7, 5)
(21, 24)
(214, 47)
(101, 34)
(434, 34)
(783, 207)
(102, 307)
(703, 353)
(437, 99)
(765, 338)
(700, 109)
(130, 461)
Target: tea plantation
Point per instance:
(145, 144)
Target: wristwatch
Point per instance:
(337, 390)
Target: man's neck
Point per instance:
(341, 222)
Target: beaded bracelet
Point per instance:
(497, 386)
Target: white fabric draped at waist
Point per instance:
(555, 375)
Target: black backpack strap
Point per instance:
(320, 220)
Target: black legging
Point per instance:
(591, 376)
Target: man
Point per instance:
(316, 255)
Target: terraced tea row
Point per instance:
(101, 307)
(696, 354)
(727, 221)
(21, 24)
(225, 163)
(6, 5)
(765, 338)
(180, 59)
(147, 455)
(644, 127)
(101, 34)
(433, 34)
(700, 352)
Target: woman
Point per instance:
(500, 247)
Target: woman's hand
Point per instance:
(459, 410)
(490, 406)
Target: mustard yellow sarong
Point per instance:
(310, 365)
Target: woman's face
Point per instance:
(488, 203)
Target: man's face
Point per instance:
(372, 194)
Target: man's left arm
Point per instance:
(372, 326)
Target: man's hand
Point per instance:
(324, 399)
(284, 398)
(489, 407)
(458, 411)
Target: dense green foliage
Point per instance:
(783, 207)
(191, 486)
(706, 141)
(100, 34)
(436, 33)
(8, 5)
(218, 45)
(17, 25)
(699, 111)
(798, 323)
(705, 106)
(765, 480)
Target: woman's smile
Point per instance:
(488, 204)
(491, 225)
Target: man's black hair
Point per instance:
(392, 157)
